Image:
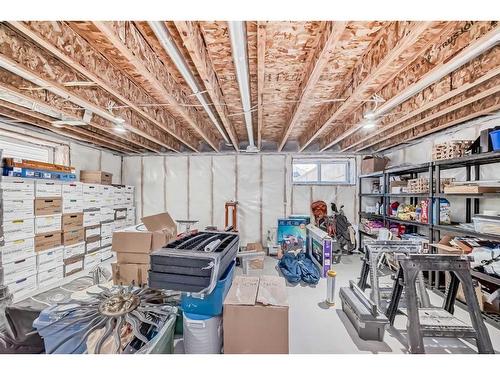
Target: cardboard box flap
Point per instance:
(161, 222)
(272, 291)
(243, 291)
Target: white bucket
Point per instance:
(202, 336)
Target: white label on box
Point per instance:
(73, 205)
(72, 188)
(50, 276)
(50, 259)
(74, 250)
(17, 225)
(15, 250)
(47, 224)
(92, 246)
(45, 189)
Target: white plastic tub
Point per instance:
(202, 334)
(487, 224)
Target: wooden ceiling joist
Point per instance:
(483, 107)
(326, 47)
(9, 83)
(425, 101)
(128, 41)
(42, 69)
(192, 39)
(261, 69)
(78, 134)
(64, 43)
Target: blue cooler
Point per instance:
(54, 334)
(212, 303)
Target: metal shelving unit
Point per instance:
(472, 165)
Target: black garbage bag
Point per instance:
(21, 337)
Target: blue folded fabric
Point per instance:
(300, 267)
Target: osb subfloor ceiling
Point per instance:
(173, 86)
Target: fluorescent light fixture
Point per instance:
(61, 123)
(120, 129)
(369, 115)
(169, 46)
(119, 120)
(237, 32)
(369, 124)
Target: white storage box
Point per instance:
(17, 209)
(129, 201)
(120, 224)
(51, 276)
(72, 189)
(47, 189)
(106, 241)
(129, 221)
(18, 229)
(74, 250)
(72, 205)
(107, 229)
(19, 269)
(47, 224)
(119, 202)
(91, 218)
(92, 231)
(50, 259)
(107, 214)
(106, 190)
(129, 190)
(23, 284)
(91, 202)
(487, 224)
(92, 260)
(15, 250)
(106, 253)
(202, 336)
(120, 213)
(17, 188)
(92, 246)
(90, 190)
(73, 266)
(107, 201)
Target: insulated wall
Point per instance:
(196, 187)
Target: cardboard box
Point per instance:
(161, 229)
(48, 189)
(74, 250)
(127, 274)
(17, 209)
(72, 222)
(92, 231)
(470, 189)
(371, 164)
(47, 241)
(256, 263)
(48, 206)
(33, 164)
(49, 259)
(96, 177)
(255, 317)
(73, 265)
(72, 189)
(47, 224)
(72, 205)
(136, 258)
(72, 237)
(14, 250)
(91, 218)
(445, 247)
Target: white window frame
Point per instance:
(20, 145)
(348, 162)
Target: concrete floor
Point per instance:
(316, 329)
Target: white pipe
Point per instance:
(463, 58)
(238, 36)
(164, 37)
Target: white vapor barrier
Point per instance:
(112, 164)
(301, 199)
(273, 191)
(347, 196)
(224, 186)
(153, 184)
(176, 182)
(132, 176)
(200, 190)
(248, 195)
(84, 158)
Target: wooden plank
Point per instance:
(327, 45)
(398, 44)
(367, 140)
(489, 88)
(9, 84)
(79, 134)
(69, 47)
(42, 69)
(460, 115)
(192, 39)
(261, 69)
(128, 42)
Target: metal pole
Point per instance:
(330, 287)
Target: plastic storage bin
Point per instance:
(55, 333)
(487, 224)
(163, 342)
(202, 334)
(212, 303)
(495, 139)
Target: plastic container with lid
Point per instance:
(486, 224)
(202, 334)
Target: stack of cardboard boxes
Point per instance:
(133, 246)
(73, 236)
(17, 255)
(48, 225)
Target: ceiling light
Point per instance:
(369, 124)
(119, 120)
(120, 129)
(369, 115)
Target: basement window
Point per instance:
(322, 171)
(13, 148)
